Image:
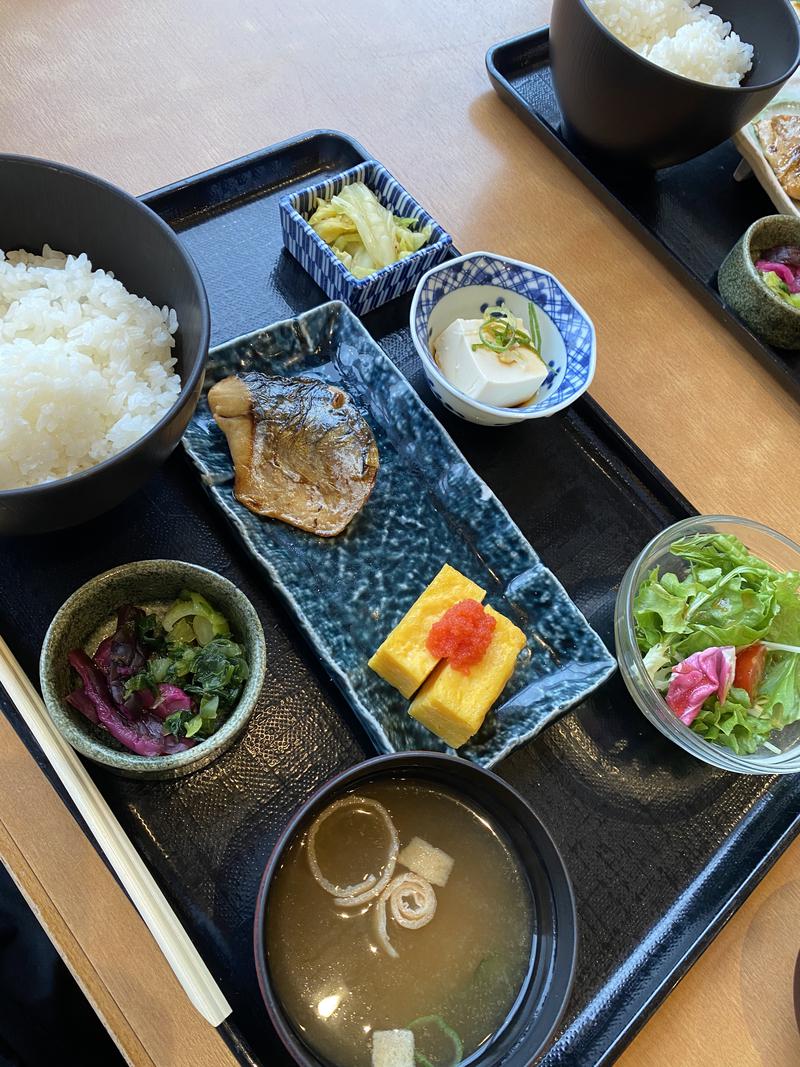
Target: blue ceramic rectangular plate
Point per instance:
(428, 508)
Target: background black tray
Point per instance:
(690, 215)
(661, 847)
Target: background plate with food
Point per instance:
(771, 145)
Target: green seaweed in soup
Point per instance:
(359, 942)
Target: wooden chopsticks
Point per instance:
(149, 901)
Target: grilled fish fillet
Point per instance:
(301, 451)
(780, 139)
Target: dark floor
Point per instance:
(45, 1021)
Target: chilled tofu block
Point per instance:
(403, 660)
(426, 860)
(504, 381)
(393, 1048)
(452, 704)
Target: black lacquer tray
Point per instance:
(661, 848)
(690, 215)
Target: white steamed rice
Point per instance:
(86, 367)
(682, 35)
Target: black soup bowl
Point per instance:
(50, 203)
(541, 1002)
(618, 104)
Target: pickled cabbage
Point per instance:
(362, 233)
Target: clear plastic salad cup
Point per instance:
(780, 754)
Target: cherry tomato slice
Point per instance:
(750, 668)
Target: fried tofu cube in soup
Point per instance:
(424, 859)
(393, 1048)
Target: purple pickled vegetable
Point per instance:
(786, 274)
(127, 616)
(135, 705)
(102, 656)
(120, 657)
(117, 689)
(171, 699)
(147, 698)
(95, 686)
(127, 657)
(788, 254)
(145, 736)
(81, 702)
(142, 735)
(130, 705)
(175, 744)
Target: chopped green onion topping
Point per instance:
(500, 333)
(448, 1031)
(533, 320)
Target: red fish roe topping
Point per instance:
(462, 635)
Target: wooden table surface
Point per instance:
(145, 93)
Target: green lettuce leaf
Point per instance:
(736, 609)
(703, 637)
(661, 607)
(748, 590)
(657, 664)
(723, 551)
(734, 723)
(785, 626)
(690, 616)
(729, 597)
(779, 692)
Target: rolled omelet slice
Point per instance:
(452, 704)
(403, 659)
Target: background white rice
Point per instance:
(682, 35)
(86, 367)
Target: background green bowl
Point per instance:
(742, 289)
(89, 614)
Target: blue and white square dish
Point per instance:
(428, 508)
(464, 288)
(360, 294)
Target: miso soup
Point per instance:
(399, 908)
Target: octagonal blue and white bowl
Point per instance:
(463, 288)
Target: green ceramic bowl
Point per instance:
(742, 289)
(89, 616)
